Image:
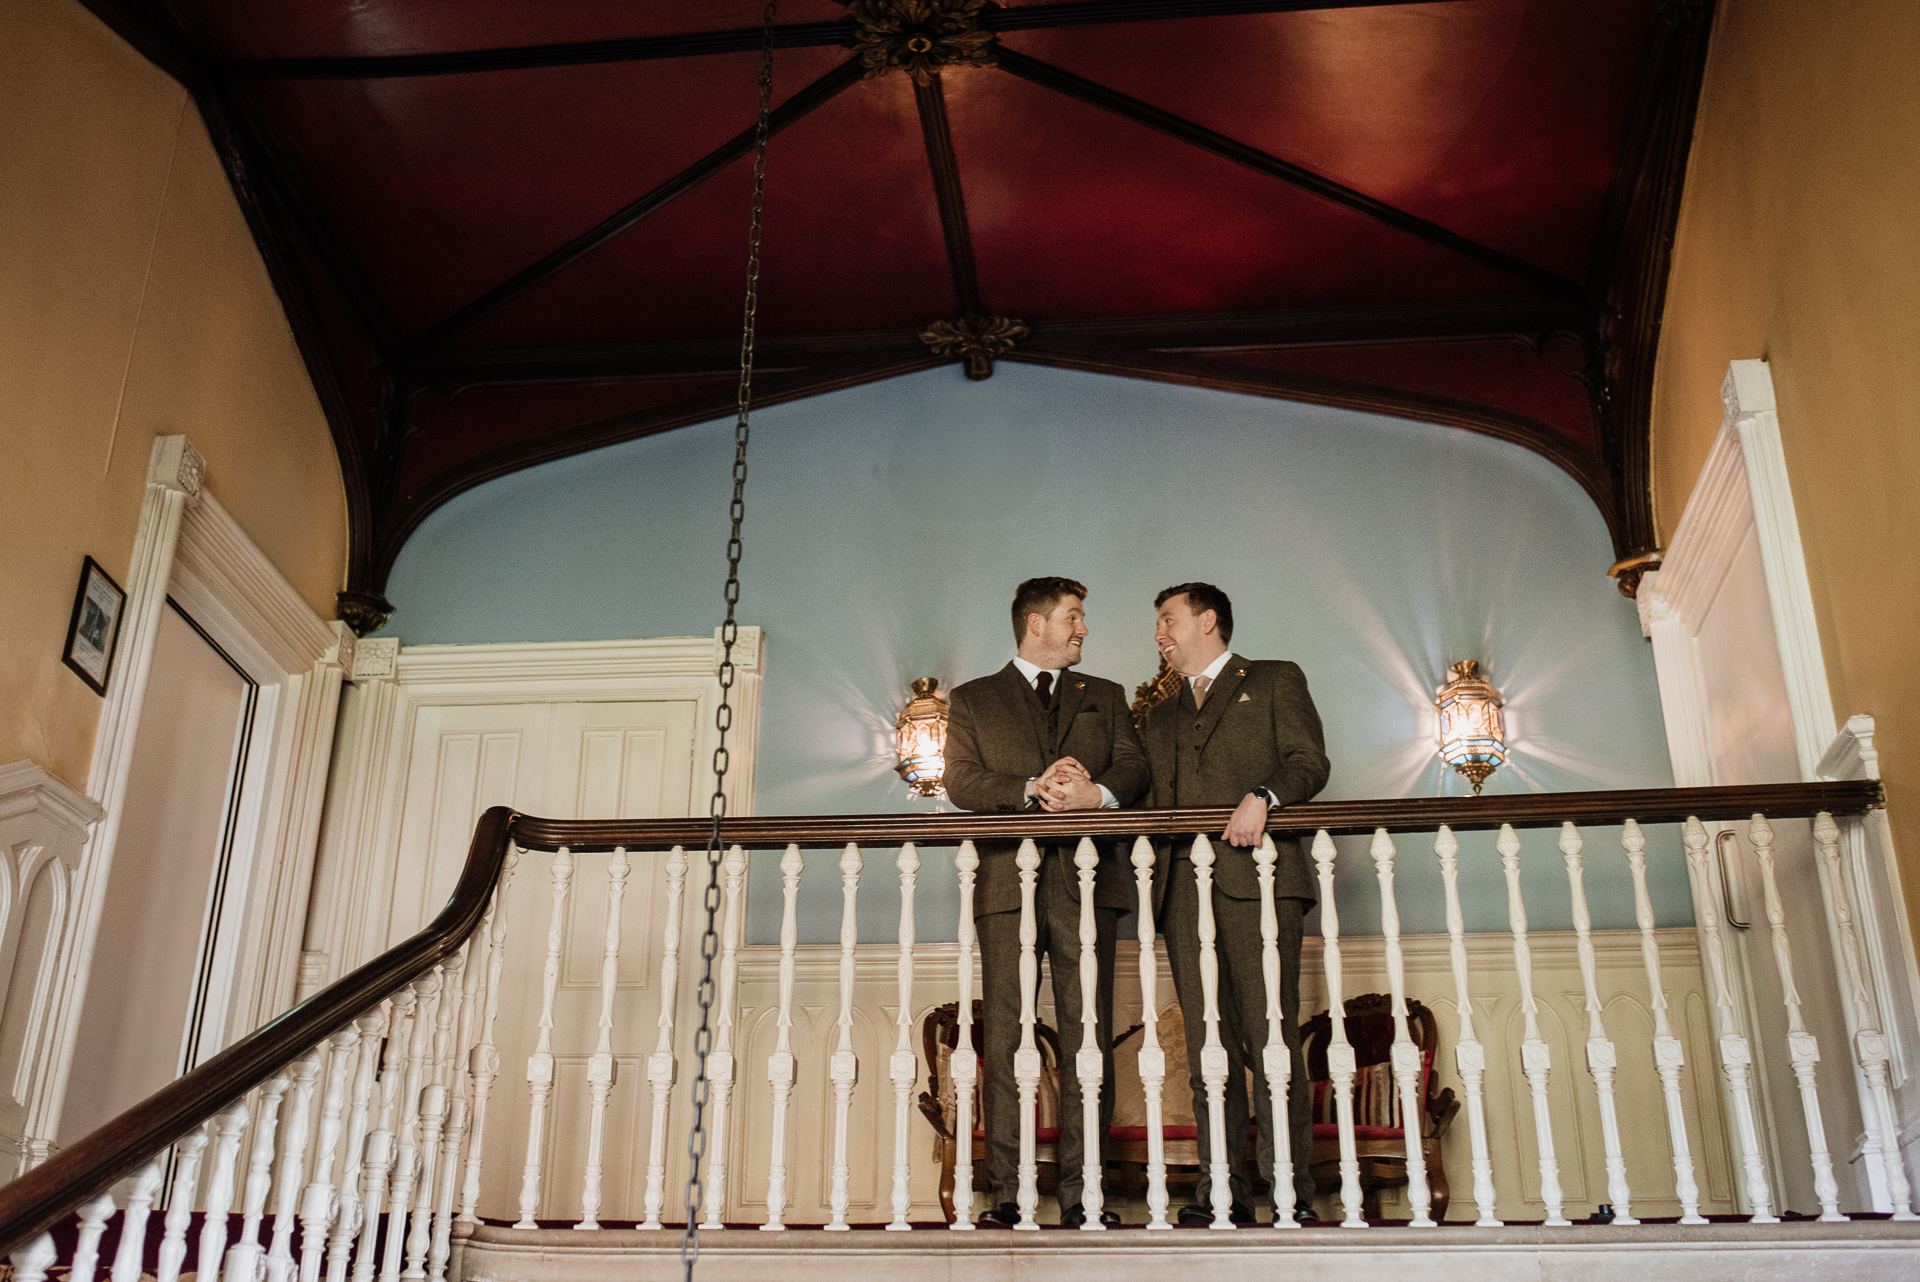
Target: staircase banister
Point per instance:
(91, 1165)
(1396, 814)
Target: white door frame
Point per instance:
(190, 548)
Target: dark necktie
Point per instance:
(1043, 686)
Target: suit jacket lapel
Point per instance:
(1020, 695)
(1220, 694)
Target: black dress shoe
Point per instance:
(1110, 1218)
(1303, 1213)
(1074, 1216)
(1239, 1213)
(1005, 1213)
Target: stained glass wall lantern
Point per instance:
(920, 738)
(1472, 734)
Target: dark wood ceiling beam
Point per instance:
(794, 108)
(931, 99)
(699, 44)
(1529, 319)
(1065, 82)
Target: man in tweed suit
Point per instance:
(1242, 733)
(1039, 735)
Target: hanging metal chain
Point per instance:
(729, 633)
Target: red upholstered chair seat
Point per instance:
(1330, 1131)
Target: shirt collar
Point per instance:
(1032, 672)
(1212, 672)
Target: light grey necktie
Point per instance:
(1200, 685)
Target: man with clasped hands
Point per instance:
(1040, 735)
(1241, 733)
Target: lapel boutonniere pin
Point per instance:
(1240, 672)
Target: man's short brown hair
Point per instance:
(1202, 597)
(1039, 596)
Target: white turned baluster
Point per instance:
(227, 1126)
(243, 1259)
(1089, 1063)
(600, 1067)
(31, 1261)
(662, 1069)
(1275, 1057)
(1536, 1061)
(720, 1063)
(483, 1065)
(1869, 1043)
(1406, 1055)
(904, 1065)
(186, 1176)
(459, 1086)
(346, 1221)
(86, 1251)
(379, 1160)
(1152, 1059)
(844, 1068)
(293, 1164)
(1469, 1056)
(433, 1117)
(317, 1204)
(133, 1225)
(415, 1098)
(1803, 1049)
(1026, 1059)
(1213, 1055)
(1668, 1057)
(1736, 1056)
(1342, 1064)
(780, 1064)
(540, 1063)
(964, 1067)
(1601, 1057)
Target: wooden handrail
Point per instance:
(78, 1174)
(82, 1172)
(1407, 814)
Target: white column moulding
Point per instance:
(1342, 1064)
(1026, 1059)
(662, 1067)
(964, 1067)
(1469, 1056)
(903, 1067)
(720, 1062)
(780, 1064)
(1406, 1055)
(1089, 1063)
(1602, 1058)
(1153, 1059)
(1275, 1057)
(1535, 1057)
(844, 1068)
(1213, 1055)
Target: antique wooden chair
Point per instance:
(1378, 1134)
(939, 1034)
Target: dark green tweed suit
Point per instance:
(1257, 728)
(998, 737)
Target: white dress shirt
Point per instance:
(1032, 673)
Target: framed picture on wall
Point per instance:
(95, 628)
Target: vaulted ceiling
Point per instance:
(507, 232)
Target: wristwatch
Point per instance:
(1266, 794)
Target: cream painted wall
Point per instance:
(1799, 242)
(132, 304)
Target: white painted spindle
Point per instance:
(317, 1203)
(1213, 1055)
(459, 1103)
(1601, 1056)
(540, 1063)
(1869, 1042)
(1342, 1065)
(1536, 1061)
(380, 1147)
(1089, 1063)
(186, 1178)
(243, 1258)
(844, 1068)
(780, 1064)
(1469, 1056)
(483, 1064)
(415, 1099)
(1275, 1058)
(662, 1068)
(1026, 1059)
(133, 1224)
(227, 1126)
(433, 1118)
(964, 1066)
(1668, 1057)
(720, 1063)
(372, 1028)
(295, 1123)
(1736, 1056)
(86, 1250)
(905, 1065)
(1406, 1055)
(32, 1260)
(600, 1065)
(1803, 1049)
(1152, 1059)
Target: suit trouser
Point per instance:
(1243, 1026)
(1057, 918)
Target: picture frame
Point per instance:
(93, 634)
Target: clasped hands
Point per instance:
(1066, 785)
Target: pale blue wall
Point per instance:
(887, 526)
